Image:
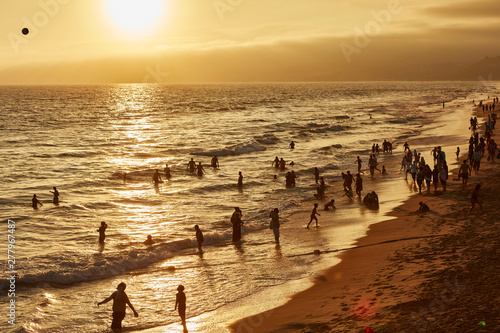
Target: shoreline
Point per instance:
(357, 268)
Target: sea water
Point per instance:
(82, 139)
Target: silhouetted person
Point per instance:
(313, 215)
(475, 198)
(180, 304)
(240, 179)
(191, 166)
(55, 200)
(330, 204)
(167, 172)
(275, 223)
(236, 221)
(120, 300)
(199, 237)
(157, 178)
(423, 207)
(149, 240)
(215, 162)
(292, 145)
(200, 169)
(35, 202)
(102, 232)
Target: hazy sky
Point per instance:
(84, 41)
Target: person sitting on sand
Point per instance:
(120, 300)
(149, 240)
(423, 207)
(330, 204)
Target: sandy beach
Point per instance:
(431, 272)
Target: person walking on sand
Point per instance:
(55, 200)
(435, 177)
(236, 222)
(102, 232)
(475, 198)
(199, 237)
(464, 172)
(477, 160)
(35, 202)
(313, 215)
(275, 223)
(120, 300)
(180, 304)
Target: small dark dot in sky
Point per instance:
(25, 31)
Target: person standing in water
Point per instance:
(313, 215)
(275, 223)
(215, 162)
(200, 169)
(180, 304)
(236, 222)
(120, 301)
(35, 202)
(240, 179)
(358, 161)
(292, 145)
(55, 200)
(157, 178)
(316, 174)
(191, 166)
(102, 232)
(167, 172)
(199, 237)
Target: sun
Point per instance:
(136, 15)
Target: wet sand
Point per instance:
(434, 272)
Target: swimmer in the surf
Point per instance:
(240, 179)
(282, 164)
(157, 178)
(35, 202)
(149, 240)
(292, 145)
(167, 171)
(215, 162)
(191, 166)
(55, 200)
(200, 169)
(102, 232)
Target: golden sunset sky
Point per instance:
(96, 41)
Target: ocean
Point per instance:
(82, 139)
